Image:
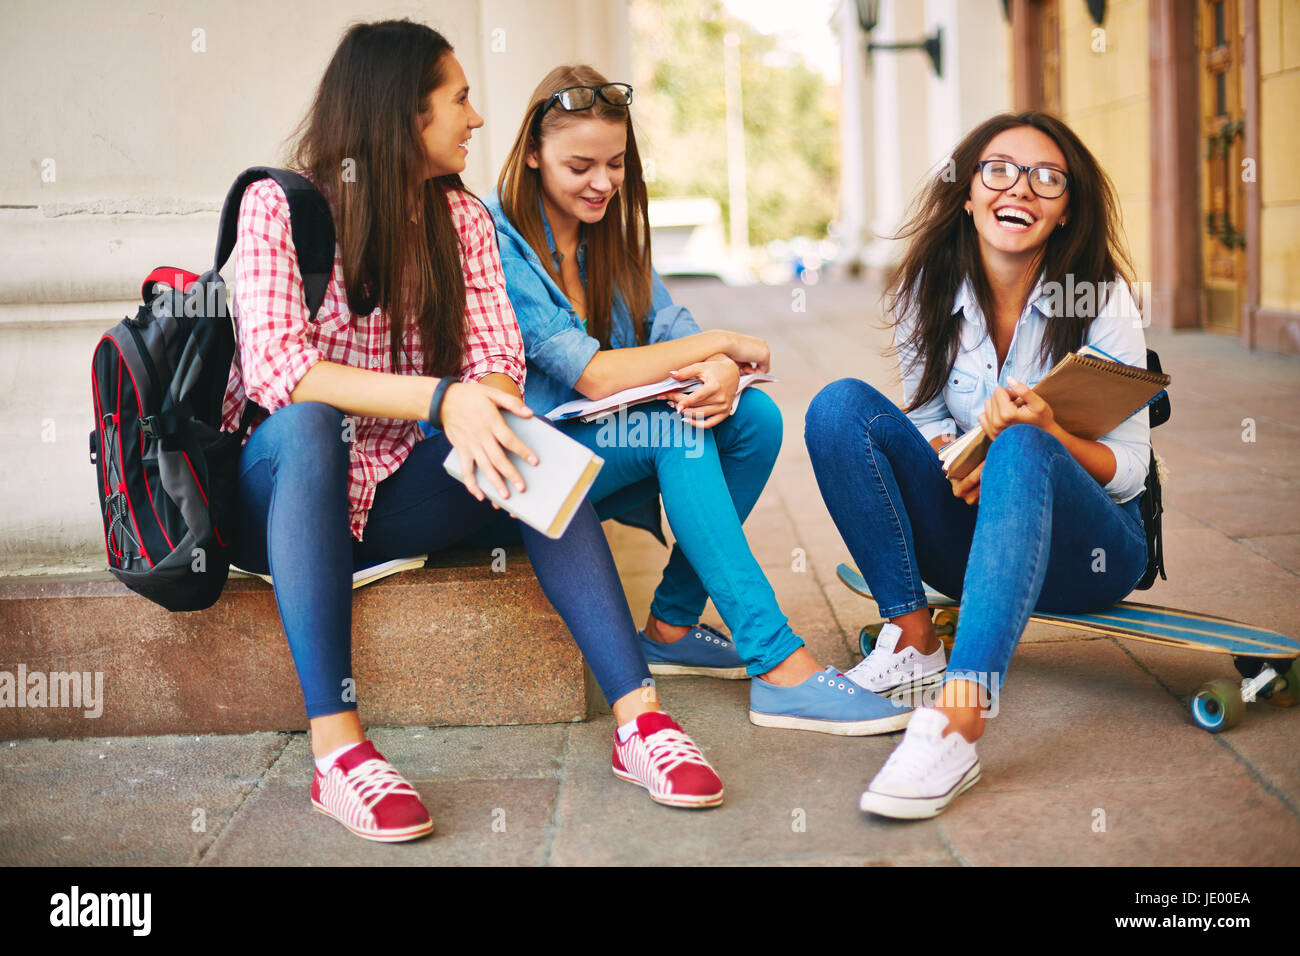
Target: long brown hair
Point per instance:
(618, 247)
(943, 250)
(360, 143)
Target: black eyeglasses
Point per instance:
(577, 98)
(1047, 182)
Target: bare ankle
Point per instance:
(795, 669)
(662, 633)
(925, 639)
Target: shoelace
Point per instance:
(917, 756)
(875, 664)
(376, 779)
(669, 749)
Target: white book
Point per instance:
(590, 409)
(362, 576)
(553, 488)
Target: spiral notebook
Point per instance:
(1090, 393)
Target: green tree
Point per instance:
(790, 118)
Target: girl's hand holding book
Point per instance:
(472, 422)
(713, 400)
(1019, 406)
(968, 488)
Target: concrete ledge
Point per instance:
(451, 644)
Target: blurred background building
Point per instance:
(1190, 105)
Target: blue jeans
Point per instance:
(293, 513)
(1043, 535)
(709, 480)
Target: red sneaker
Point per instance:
(363, 792)
(661, 758)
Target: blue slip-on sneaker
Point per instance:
(703, 652)
(828, 703)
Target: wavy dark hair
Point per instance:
(618, 247)
(943, 250)
(360, 143)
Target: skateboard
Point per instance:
(1265, 659)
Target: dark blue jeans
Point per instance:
(1043, 534)
(293, 512)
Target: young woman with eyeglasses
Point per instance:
(571, 214)
(976, 325)
(415, 327)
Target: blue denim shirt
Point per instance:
(556, 344)
(558, 349)
(1116, 330)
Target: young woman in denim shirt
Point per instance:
(571, 215)
(1048, 520)
(415, 327)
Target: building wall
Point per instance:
(143, 123)
(1279, 173)
(1105, 99)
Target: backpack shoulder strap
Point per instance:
(1160, 404)
(309, 219)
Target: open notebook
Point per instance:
(589, 409)
(1090, 393)
(363, 576)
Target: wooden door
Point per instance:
(1223, 190)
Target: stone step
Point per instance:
(453, 643)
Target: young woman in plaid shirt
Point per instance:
(415, 327)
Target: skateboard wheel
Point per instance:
(867, 637)
(1216, 706)
(1285, 691)
(945, 625)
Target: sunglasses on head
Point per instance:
(574, 99)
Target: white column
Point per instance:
(888, 130)
(857, 156)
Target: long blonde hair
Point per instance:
(618, 247)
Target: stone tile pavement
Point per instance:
(1090, 730)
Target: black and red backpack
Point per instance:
(165, 469)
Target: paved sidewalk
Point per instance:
(1092, 731)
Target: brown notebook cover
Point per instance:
(1089, 396)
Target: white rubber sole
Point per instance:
(669, 800)
(916, 693)
(917, 808)
(388, 836)
(840, 728)
(685, 670)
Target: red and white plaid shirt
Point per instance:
(277, 343)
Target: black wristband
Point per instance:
(435, 404)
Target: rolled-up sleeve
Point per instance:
(492, 338)
(552, 341)
(1117, 331)
(670, 320)
(272, 318)
(933, 418)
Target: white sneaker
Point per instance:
(901, 675)
(925, 771)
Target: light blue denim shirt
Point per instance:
(556, 344)
(1117, 331)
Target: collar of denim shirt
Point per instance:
(550, 241)
(1022, 358)
(622, 330)
(966, 302)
